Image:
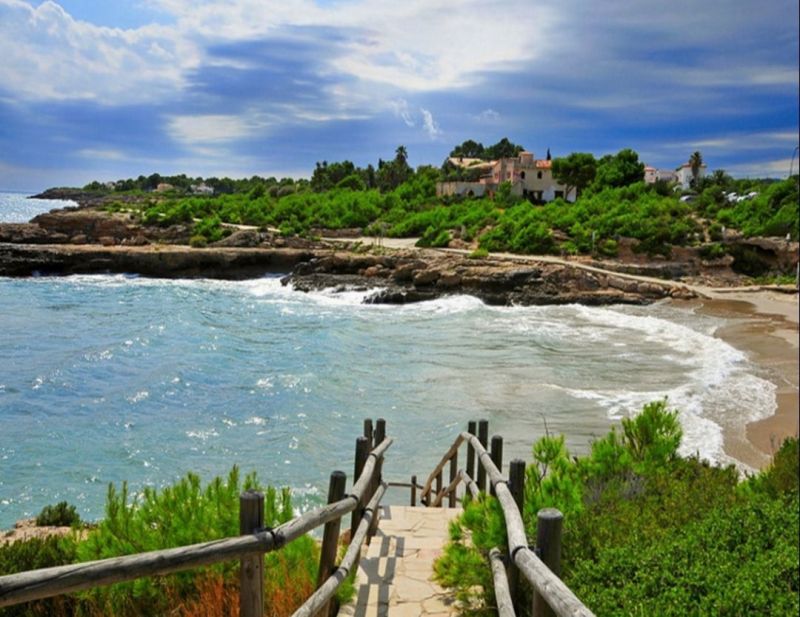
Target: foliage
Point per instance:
(60, 515)
(646, 531)
(502, 149)
(396, 200)
(33, 554)
(618, 170)
(188, 513)
(576, 171)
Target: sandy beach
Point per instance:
(764, 324)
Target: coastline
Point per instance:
(764, 325)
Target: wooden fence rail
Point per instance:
(551, 595)
(368, 489)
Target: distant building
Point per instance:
(201, 189)
(653, 175)
(163, 187)
(684, 174)
(530, 178)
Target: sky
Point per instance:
(104, 90)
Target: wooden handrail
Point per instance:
(48, 582)
(555, 593)
(326, 591)
(505, 607)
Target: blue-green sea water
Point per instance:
(111, 378)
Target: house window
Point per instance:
(522, 175)
(559, 194)
(539, 175)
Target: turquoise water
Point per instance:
(112, 378)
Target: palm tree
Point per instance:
(695, 162)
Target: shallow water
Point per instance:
(112, 378)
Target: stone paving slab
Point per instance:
(394, 575)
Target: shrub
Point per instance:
(188, 513)
(479, 253)
(648, 532)
(60, 515)
(33, 554)
(197, 241)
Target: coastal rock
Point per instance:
(29, 233)
(88, 225)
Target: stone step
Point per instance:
(394, 576)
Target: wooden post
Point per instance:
(483, 437)
(377, 478)
(251, 570)
(548, 544)
(472, 429)
(413, 491)
(451, 502)
(438, 487)
(330, 541)
(368, 432)
(362, 452)
(497, 455)
(380, 431)
(516, 486)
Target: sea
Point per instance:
(110, 379)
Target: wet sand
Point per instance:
(763, 324)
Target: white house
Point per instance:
(530, 178)
(653, 175)
(684, 174)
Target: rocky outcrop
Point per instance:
(404, 277)
(155, 261)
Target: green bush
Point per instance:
(646, 531)
(713, 251)
(60, 515)
(33, 554)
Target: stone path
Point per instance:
(394, 575)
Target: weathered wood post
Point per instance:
(472, 429)
(438, 489)
(380, 431)
(251, 570)
(330, 541)
(496, 454)
(483, 437)
(368, 432)
(413, 491)
(516, 486)
(362, 452)
(548, 544)
(451, 502)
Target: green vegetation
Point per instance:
(646, 531)
(185, 513)
(395, 200)
(60, 515)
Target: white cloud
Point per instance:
(48, 55)
(488, 115)
(429, 124)
(211, 128)
(775, 168)
(401, 110)
(107, 154)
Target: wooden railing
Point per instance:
(249, 548)
(540, 566)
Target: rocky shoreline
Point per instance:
(88, 239)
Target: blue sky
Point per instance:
(107, 90)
